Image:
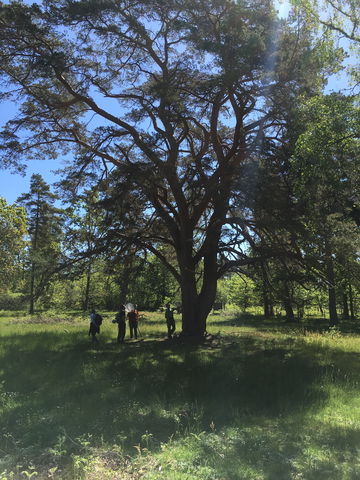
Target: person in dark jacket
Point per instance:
(170, 321)
(120, 319)
(94, 326)
(133, 323)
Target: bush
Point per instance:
(12, 301)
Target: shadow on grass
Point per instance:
(282, 451)
(58, 392)
(129, 388)
(310, 324)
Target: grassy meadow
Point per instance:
(261, 401)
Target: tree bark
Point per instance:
(320, 306)
(267, 299)
(266, 294)
(32, 290)
(126, 277)
(87, 287)
(290, 317)
(334, 320)
(267, 304)
(345, 307)
(33, 266)
(189, 295)
(351, 302)
(197, 306)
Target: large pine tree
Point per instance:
(176, 96)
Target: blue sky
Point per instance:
(12, 185)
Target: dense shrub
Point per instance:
(12, 301)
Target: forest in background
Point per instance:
(55, 259)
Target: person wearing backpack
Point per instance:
(120, 319)
(170, 321)
(95, 322)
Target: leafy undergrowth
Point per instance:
(260, 401)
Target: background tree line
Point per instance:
(58, 258)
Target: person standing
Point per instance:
(120, 319)
(133, 323)
(170, 321)
(94, 326)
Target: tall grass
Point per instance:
(261, 401)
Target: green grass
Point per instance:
(262, 401)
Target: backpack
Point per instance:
(98, 319)
(132, 316)
(169, 315)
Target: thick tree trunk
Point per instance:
(191, 322)
(287, 302)
(208, 290)
(126, 277)
(290, 317)
(197, 306)
(124, 290)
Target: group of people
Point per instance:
(120, 319)
(133, 318)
